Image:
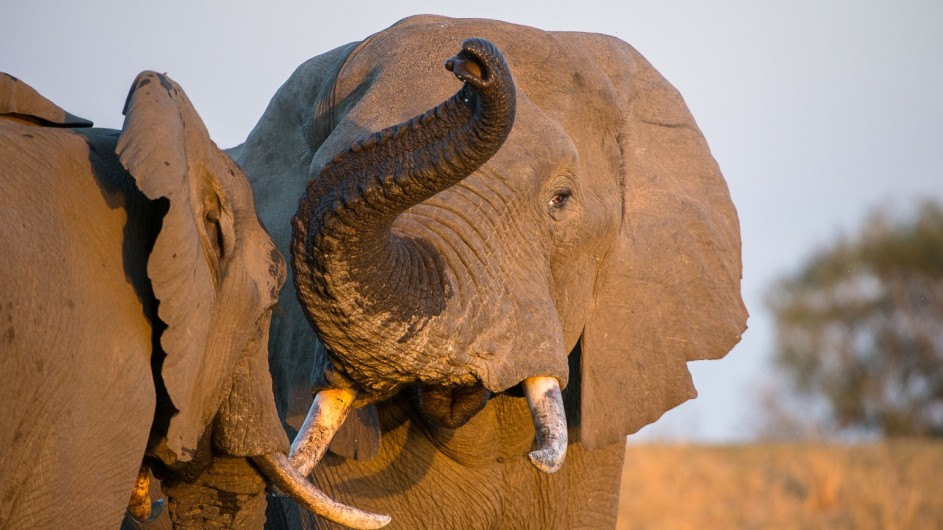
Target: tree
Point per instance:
(859, 330)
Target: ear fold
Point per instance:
(213, 268)
(669, 291)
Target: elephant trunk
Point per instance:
(229, 494)
(344, 249)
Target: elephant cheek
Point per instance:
(573, 279)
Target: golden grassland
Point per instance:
(888, 486)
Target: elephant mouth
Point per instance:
(447, 406)
(450, 406)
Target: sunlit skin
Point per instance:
(444, 278)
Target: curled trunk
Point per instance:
(343, 244)
(377, 296)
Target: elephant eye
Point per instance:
(560, 198)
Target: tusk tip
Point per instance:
(546, 460)
(546, 408)
(289, 480)
(156, 508)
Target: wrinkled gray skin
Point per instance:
(596, 244)
(95, 377)
(593, 242)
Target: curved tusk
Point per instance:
(277, 468)
(327, 413)
(546, 408)
(140, 506)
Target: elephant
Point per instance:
(497, 273)
(137, 289)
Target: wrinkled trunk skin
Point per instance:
(229, 494)
(344, 247)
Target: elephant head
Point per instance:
(138, 289)
(549, 215)
(213, 270)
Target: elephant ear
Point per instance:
(213, 269)
(22, 102)
(669, 290)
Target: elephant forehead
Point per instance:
(547, 143)
(555, 73)
(538, 140)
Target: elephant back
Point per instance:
(21, 102)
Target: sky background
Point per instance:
(816, 110)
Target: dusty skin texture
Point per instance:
(592, 241)
(91, 382)
(597, 245)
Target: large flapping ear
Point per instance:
(20, 101)
(669, 291)
(213, 269)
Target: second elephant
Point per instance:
(136, 290)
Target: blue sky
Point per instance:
(816, 111)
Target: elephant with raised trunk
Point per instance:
(498, 273)
(137, 291)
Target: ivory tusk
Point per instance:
(140, 506)
(546, 409)
(326, 415)
(278, 469)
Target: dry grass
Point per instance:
(895, 485)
